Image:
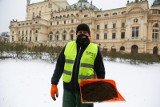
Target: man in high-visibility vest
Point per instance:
(79, 60)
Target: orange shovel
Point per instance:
(99, 90)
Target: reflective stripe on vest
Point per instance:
(86, 70)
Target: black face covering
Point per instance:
(82, 40)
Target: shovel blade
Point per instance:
(99, 90)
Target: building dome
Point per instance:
(156, 3)
(83, 4)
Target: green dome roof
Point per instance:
(82, 4)
(156, 3)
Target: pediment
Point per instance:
(136, 10)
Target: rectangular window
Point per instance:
(64, 37)
(12, 38)
(113, 35)
(57, 37)
(39, 13)
(122, 35)
(105, 35)
(36, 39)
(155, 11)
(33, 15)
(123, 25)
(97, 36)
(114, 25)
(72, 21)
(71, 36)
(155, 34)
(30, 39)
(135, 32)
(105, 26)
(50, 37)
(98, 27)
(22, 39)
(64, 21)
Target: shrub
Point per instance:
(145, 58)
(34, 51)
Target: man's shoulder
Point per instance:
(70, 42)
(92, 43)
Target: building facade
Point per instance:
(134, 28)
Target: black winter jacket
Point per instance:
(73, 85)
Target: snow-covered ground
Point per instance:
(27, 84)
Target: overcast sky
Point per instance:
(16, 9)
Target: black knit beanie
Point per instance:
(83, 27)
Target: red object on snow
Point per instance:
(99, 90)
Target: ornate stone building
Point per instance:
(134, 28)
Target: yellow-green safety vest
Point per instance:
(86, 68)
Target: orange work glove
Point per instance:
(54, 91)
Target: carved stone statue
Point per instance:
(28, 1)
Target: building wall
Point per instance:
(43, 9)
(56, 26)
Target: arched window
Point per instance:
(155, 25)
(85, 15)
(64, 35)
(155, 50)
(98, 16)
(77, 15)
(113, 49)
(72, 15)
(72, 34)
(114, 14)
(65, 31)
(105, 48)
(122, 49)
(72, 31)
(123, 12)
(57, 35)
(50, 36)
(134, 49)
(36, 31)
(106, 14)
